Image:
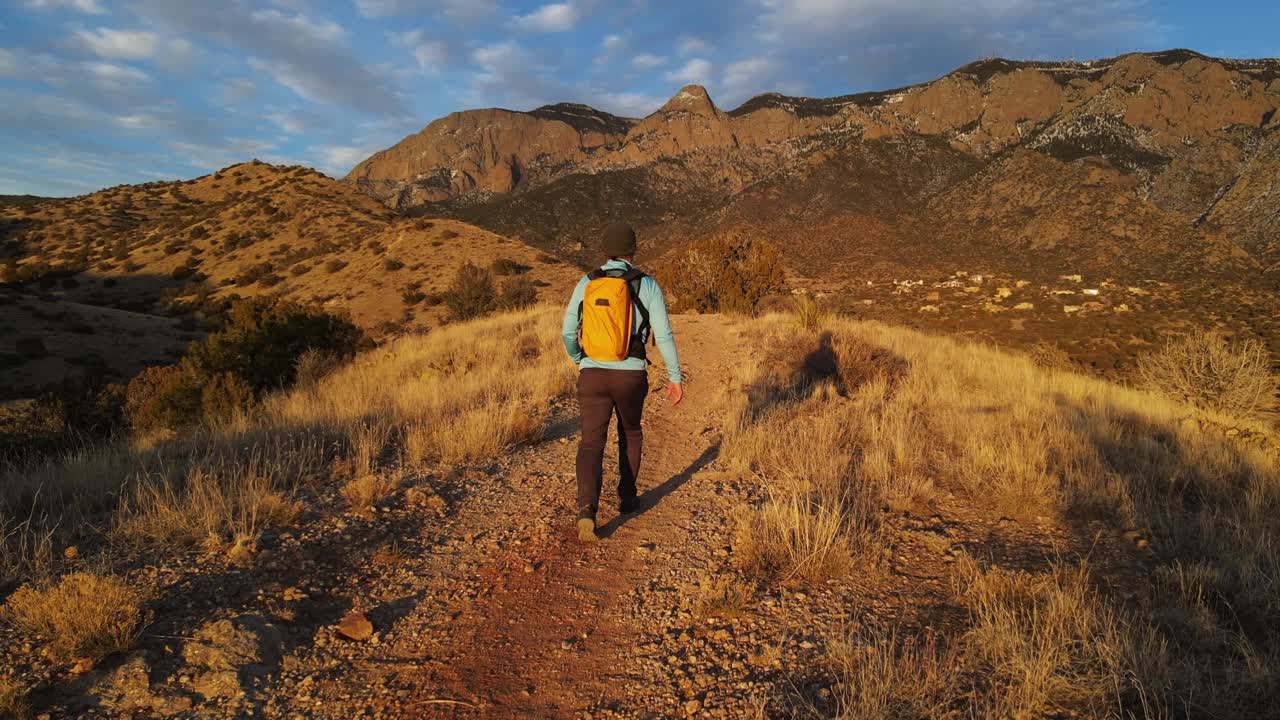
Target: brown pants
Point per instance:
(602, 395)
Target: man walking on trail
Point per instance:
(613, 312)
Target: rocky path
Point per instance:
(509, 616)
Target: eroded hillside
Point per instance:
(123, 278)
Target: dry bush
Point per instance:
(1049, 355)
(1206, 370)
(366, 491)
(81, 616)
(472, 293)
(729, 273)
(518, 293)
(809, 313)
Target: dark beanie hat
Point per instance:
(619, 240)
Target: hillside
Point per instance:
(1150, 170)
(122, 278)
(850, 521)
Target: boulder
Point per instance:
(355, 626)
(225, 654)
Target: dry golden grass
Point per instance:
(811, 315)
(1038, 644)
(459, 395)
(13, 700)
(727, 597)
(366, 491)
(81, 616)
(832, 447)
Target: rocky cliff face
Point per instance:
(481, 152)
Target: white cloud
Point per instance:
(511, 76)
(215, 156)
(695, 72)
(456, 10)
(113, 74)
(430, 54)
(744, 78)
(556, 17)
(626, 104)
(645, 61)
(612, 43)
(289, 123)
(90, 7)
(8, 63)
(322, 31)
(691, 45)
(237, 90)
(118, 44)
(310, 55)
(341, 158)
(141, 121)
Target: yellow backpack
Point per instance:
(607, 315)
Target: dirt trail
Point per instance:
(537, 625)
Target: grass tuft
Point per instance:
(81, 616)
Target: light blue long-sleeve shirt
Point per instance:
(659, 327)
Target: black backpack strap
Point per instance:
(634, 277)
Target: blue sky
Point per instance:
(96, 93)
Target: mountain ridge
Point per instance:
(536, 150)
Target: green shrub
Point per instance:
(412, 297)
(224, 396)
(728, 273)
(264, 337)
(313, 365)
(162, 398)
(518, 292)
(471, 294)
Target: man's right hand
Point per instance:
(675, 393)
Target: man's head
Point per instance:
(619, 241)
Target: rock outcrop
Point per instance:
(485, 151)
(226, 657)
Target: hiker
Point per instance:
(612, 314)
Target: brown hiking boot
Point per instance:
(587, 530)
